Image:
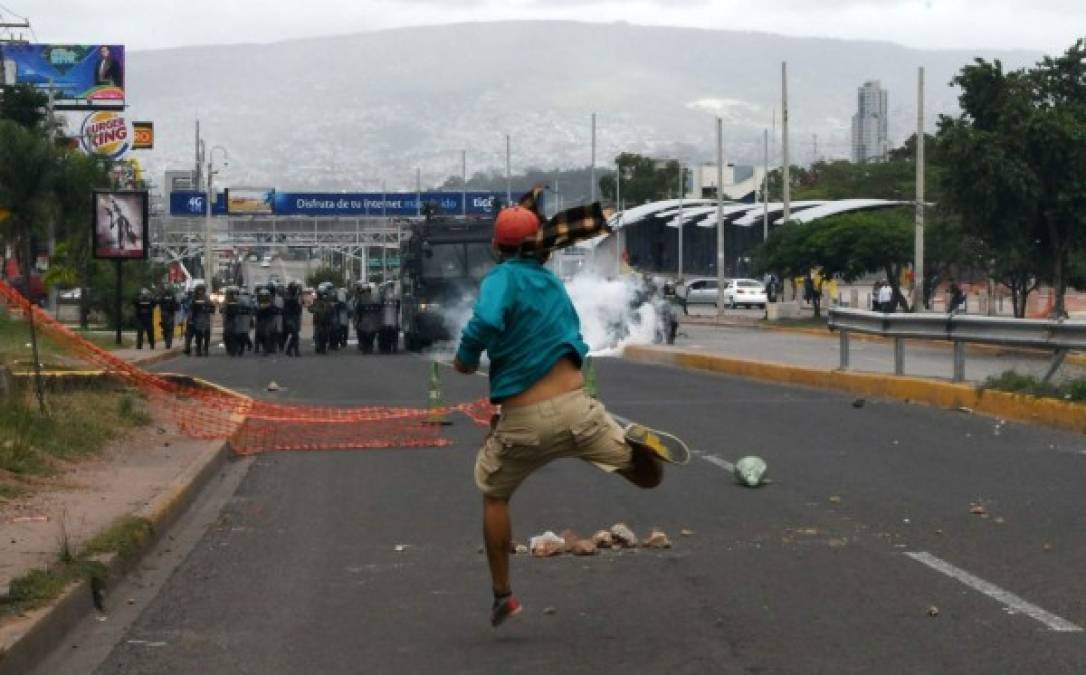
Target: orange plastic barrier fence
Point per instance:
(253, 426)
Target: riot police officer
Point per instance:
(323, 311)
(292, 318)
(265, 321)
(367, 316)
(144, 305)
(235, 322)
(667, 315)
(388, 336)
(199, 323)
(168, 308)
(343, 318)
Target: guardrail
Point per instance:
(1057, 336)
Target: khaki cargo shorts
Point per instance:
(527, 437)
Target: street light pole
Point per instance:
(508, 170)
(618, 225)
(918, 245)
(682, 185)
(785, 168)
(464, 183)
(592, 169)
(209, 260)
(720, 216)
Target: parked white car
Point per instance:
(744, 293)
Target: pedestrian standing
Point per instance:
(886, 298)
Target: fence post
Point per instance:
(959, 361)
(899, 356)
(844, 349)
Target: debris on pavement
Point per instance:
(399, 548)
(583, 547)
(858, 403)
(603, 539)
(687, 533)
(549, 611)
(521, 549)
(978, 510)
(570, 537)
(750, 471)
(835, 499)
(933, 611)
(546, 545)
(965, 409)
(273, 386)
(623, 536)
(29, 519)
(1046, 547)
(656, 539)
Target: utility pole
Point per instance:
(785, 172)
(508, 170)
(198, 180)
(918, 246)
(464, 183)
(720, 230)
(592, 170)
(618, 226)
(418, 191)
(765, 186)
(682, 185)
(814, 148)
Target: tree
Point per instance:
(27, 172)
(1019, 155)
(322, 274)
(644, 180)
(24, 105)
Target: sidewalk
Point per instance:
(740, 337)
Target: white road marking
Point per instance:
(1006, 598)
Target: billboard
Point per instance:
(381, 204)
(120, 224)
(106, 133)
(143, 135)
(193, 203)
(250, 201)
(82, 76)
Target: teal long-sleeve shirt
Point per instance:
(525, 321)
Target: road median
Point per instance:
(1018, 407)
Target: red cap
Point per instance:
(514, 225)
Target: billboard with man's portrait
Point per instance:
(120, 225)
(81, 76)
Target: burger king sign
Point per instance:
(106, 133)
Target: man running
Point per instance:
(527, 324)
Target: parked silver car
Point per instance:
(703, 291)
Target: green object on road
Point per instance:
(751, 471)
(591, 387)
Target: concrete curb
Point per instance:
(173, 352)
(26, 646)
(1019, 407)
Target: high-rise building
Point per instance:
(870, 141)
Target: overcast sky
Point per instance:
(1047, 25)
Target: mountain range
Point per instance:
(353, 112)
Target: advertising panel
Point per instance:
(82, 76)
(192, 203)
(143, 135)
(250, 201)
(120, 224)
(106, 133)
(378, 204)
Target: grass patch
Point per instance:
(15, 338)
(126, 537)
(8, 492)
(1018, 383)
(78, 423)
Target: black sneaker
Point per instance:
(667, 447)
(503, 609)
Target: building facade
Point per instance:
(870, 137)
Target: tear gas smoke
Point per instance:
(608, 309)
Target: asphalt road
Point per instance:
(811, 574)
